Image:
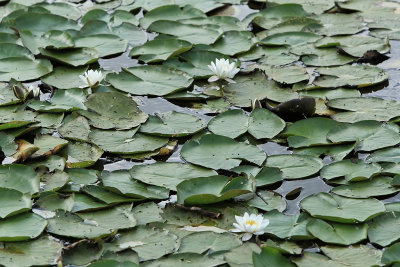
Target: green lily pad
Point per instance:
(53, 181)
(62, 100)
(309, 132)
(383, 231)
(160, 49)
(234, 42)
(41, 251)
(7, 144)
(53, 39)
(74, 57)
(48, 145)
(41, 23)
(126, 142)
(341, 209)
(357, 256)
(104, 44)
(275, 56)
(111, 110)
(337, 233)
(271, 256)
(288, 226)
(168, 174)
(14, 202)
(220, 152)
(255, 86)
(312, 6)
(75, 128)
(385, 155)
(150, 80)
(170, 13)
(360, 108)
(242, 256)
(352, 170)
(274, 15)
(290, 39)
(65, 77)
(8, 50)
(182, 259)
(391, 254)
(149, 243)
(295, 166)
(195, 34)
(23, 69)
(92, 224)
(371, 135)
(268, 200)
(19, 177)
(173, 124)
(123, 183)
(202, 242)
(81, 155)
(261, 124)
(285, 74)
(347, 75)
(213, 189)
(22, 227)
(376, 186)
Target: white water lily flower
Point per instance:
(34, 90)
(223, 70)
(250, 225)
(91, 78)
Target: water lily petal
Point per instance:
(246, 236)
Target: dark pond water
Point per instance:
(293, 190)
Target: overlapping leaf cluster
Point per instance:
(59, 205)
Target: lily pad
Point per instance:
(171, 13)
(341, 209)
(295, 166)
(173, 124)
(220, 152)
(371, 135)
(288, 226)
(383, 231)
(92, 224)
(19, 177)
(23, 69)
(309, 132)
(272, 256)
(62, 100)
(150, 80)
(126, 142)
(358, 76)
(113, 110)
(213, 189)
(13, 202)
(65, 77)
(22, 227)
(359, 109)
(352, 170)
(376, 186)
(210, 242)
(195, 34)
(160, 50)
(337, 233)
(168, 174)
(149, 243)
(122, 183)
(42, 251)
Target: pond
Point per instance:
(159, 158)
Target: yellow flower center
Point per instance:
(251, 222)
